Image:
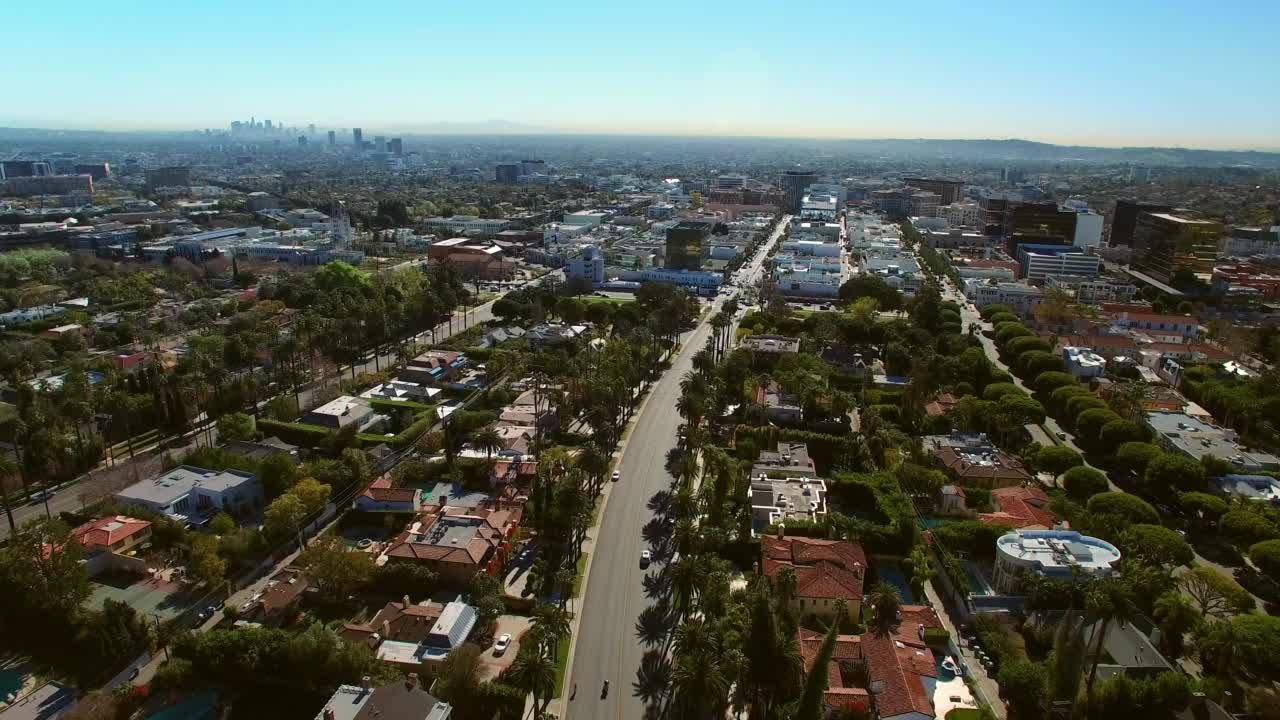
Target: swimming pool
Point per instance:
(11, 682)
(199, 706)
(891, 573)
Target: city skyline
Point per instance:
(1143, 74)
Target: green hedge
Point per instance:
(294, 433)
(519, 606)
(397, 405)
(936, 636)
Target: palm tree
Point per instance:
(487, 440)
(552, 623)
(885, 601)
(1107, 601)
(700, 685)
(535, 672)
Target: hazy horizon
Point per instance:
(1137, 74)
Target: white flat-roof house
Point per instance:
(193, 494)
(1058, 554)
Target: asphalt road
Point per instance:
(605, 645)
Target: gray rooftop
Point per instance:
(457, 495)
(180, 481)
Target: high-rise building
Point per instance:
(507, 173)
(793, 184)
(26, 186)
(1125, 219)
(684, 244)
(333, 138)
(357, 137)
(379, 143)
(1042, 223)
(396, 147)
(311, 129)
(97, 171)
(1164, 244)
(533, 167)
(950, 190)
(173, 176)
(24, 168)
(731, 182)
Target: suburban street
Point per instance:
(605, 647)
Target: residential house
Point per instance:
(433, 367)
(283, 592)
(778, 499)
(108, 542)
(825, 571)
(771, 344)
(841, 695)
(1261, 488)
(398, 701)
(195, 495)
(942, 405)
(516, 440)
(513, 472)
(1058, 554)
(1022, 507)
(951, 500)
(1185, 435)
(550, 334)
(401, 390)
(261, 450)
(902, 670)
(779, 406)
(791, 459)
(415, 636)
(457, 542)
(381, 496)
(970, 459)
(494, 337)
(844, 359)
(341, 412)
(1083, 363)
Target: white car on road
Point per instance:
(617, 475)
(645, 558)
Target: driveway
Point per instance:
(491, 666)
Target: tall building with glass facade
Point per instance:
(1164, 243)
(684, 244)
(794, 183)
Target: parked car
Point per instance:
(645, 559)
(500, 647)
(39, 497)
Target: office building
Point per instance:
(684, 244)
(533, 167)
(1125, 219)
(1249, 241)
(28, 186)
(1057, 554)
(949, 191)
(1040, 261)
(1164, 244)
(1088, 229)
(589, 266)
(10, 169)
(357, 138)
(396, 146)
(169, 177)
(794, 183)
(507, 173)
(1041, 224)
(97, 171)
(333, 138)
(731, 182)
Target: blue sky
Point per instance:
(1123, 72)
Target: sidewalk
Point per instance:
(988, 690)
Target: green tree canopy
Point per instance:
(1057, 459)
(1156, 544)
(1130, 508)
(1082, 483)
(1174, 472)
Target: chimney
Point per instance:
(386, 628)
(444, 499)
(411, 681)
(782, 531)
(406, 601)
(366, 683)
(329, 714)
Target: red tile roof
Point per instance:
(899, 661)
(1006, 469)
(945, 402)
(828, 569)
(107, 531)
(848, 648)
(1020, 507)
(380, 490)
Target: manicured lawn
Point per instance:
(598, 299)
(562, 662)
